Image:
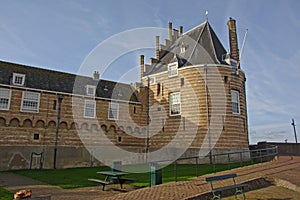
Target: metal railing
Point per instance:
(184, 168)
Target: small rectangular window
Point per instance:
(158, 89)
(225, 79)
(113, 111)
(90, 108)
(30, 102)
(175, 104)
(235, 102)
(18, 79)
(182, 82)
(173, 69)
(5, 96)
(54, 104)
(134, 110)
(119, 139)
(36, 136)
(90, 90)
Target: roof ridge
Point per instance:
(60, 72)
(197, 41)
(212, 43)
(203, 23)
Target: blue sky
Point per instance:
(59, 35)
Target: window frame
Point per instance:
(117, 109)
(171, 103)
(30, 100)
(170, 74)
(236, 92)
(86, 102)
(16, 75)
(90, 87)
(3, 97)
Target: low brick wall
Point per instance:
(18, 157)
(284, 149)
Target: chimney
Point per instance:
(180, 30)
(234, 49)
(142, 66)
(170, 30)
(157, 47)
(175, 34)
(96, 75)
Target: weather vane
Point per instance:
(206, 15)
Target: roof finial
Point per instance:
(206, 15)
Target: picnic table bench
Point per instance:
(102, 182)
(217, 191)
(112, 177)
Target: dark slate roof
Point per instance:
(201, 45)
(44, 79)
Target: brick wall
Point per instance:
(233, 134)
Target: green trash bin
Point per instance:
(155, 174)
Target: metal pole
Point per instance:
(147, 123)
(294, 126)
(208, 118)
(60, 98)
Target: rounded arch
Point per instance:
(128, 129)
(104, 127)
(40, 124)
(121, 128)
(14, 122)
(27, 123)
(143, 131)
(2, 121)
(112, 128)
(84, 126)
(137, 130)
(51, 124)
(74, 126)
(63, 125)
(94, 127)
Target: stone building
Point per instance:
(192, 95)
(201, 88)
(29, 115)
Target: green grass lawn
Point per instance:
(78, 177)
(6, 195)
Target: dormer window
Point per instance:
(173, 69)
(182, 48)
(105, 88)
(90, 90)
(18, 79)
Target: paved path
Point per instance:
(14, 182)
(285, 168)
(285, 172)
